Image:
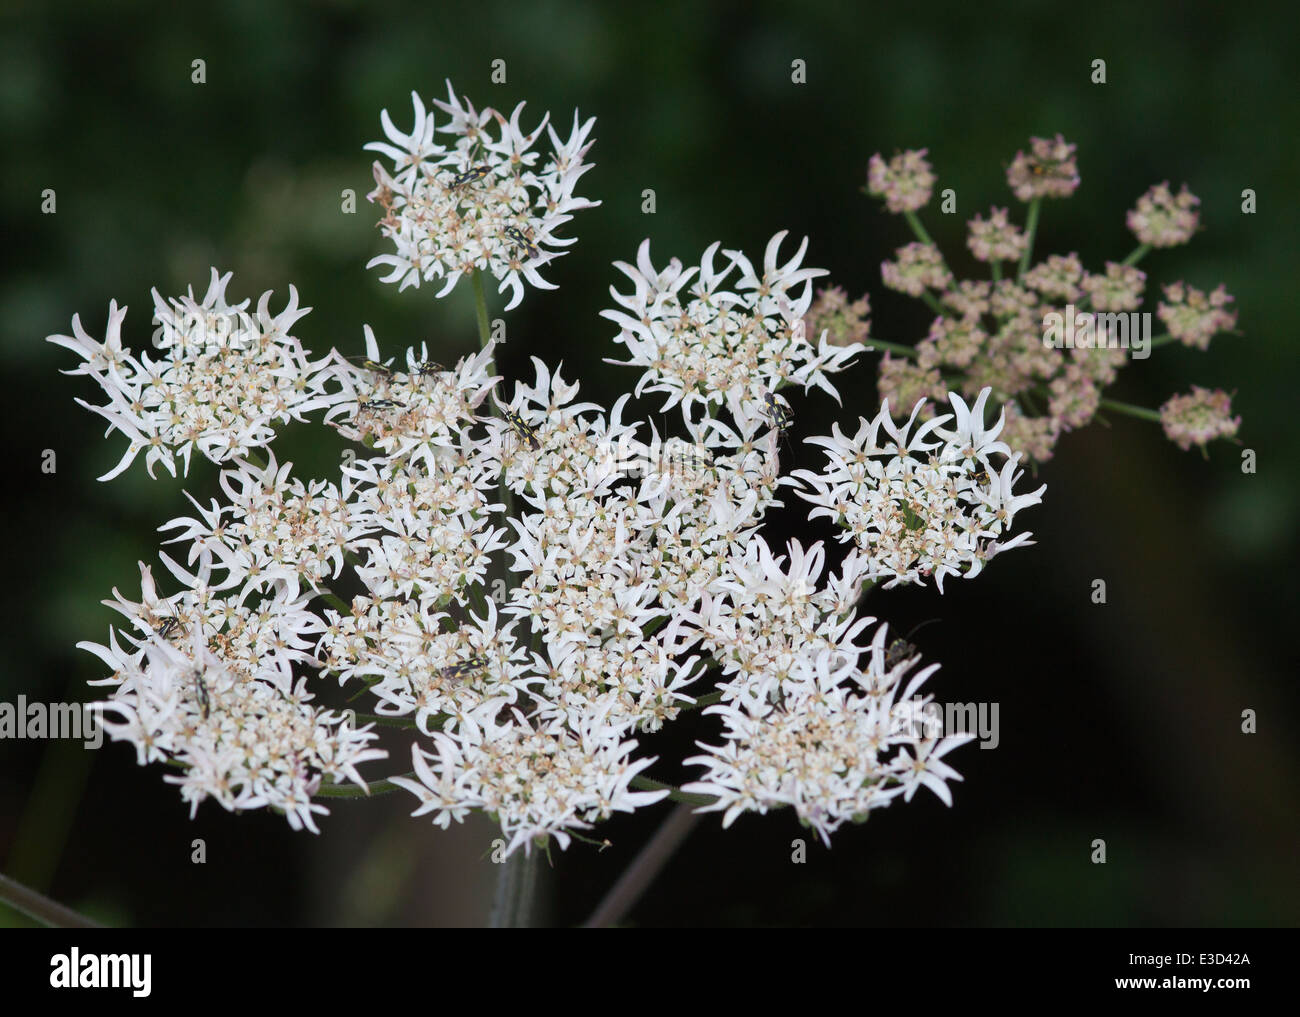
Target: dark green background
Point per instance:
(1118, 722)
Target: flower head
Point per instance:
(930, 502)
(1192, 317)
(919, 266)
(705, 338)
(997, 238)
(1057, 277)
(1198, 417)
(227, 376)
(1163, 219)
(1120, 289)
(905, 182)
(845, 323)
(485, 201)
(1049, 170)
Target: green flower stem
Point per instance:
(932, 302)
(675, 794)
(902, 351)
(914, 221)
(484, 337)
(1141, 412)
(1031, 228)
(706, 700)
(480, 302)
(383, 721)
(41, 908)
(1162, 340)
(1137, 254)
(375, 787)
(997, 271)
(335, 601)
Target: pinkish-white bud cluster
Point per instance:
(1049, 170)
(1001, 333)
(905, 181)
(1163, 219)
(1199, 417)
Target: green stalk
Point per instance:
(1136, 255)
(480, 301)
(902, 351)
(375, 787)
(1141, 412)
(675, 794)
(1031, 228)
(516, 890)
(914, 221)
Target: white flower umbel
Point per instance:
(273, 529)
(537, 782)
(840, 742)
(225, 376)
(484, 201)
(705, 338)
(415, 409)
(208, 686)
(924, 502)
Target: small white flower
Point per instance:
(915, 507)
(228, 376)
(480, 202)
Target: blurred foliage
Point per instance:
(1119, 722)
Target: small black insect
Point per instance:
(470, 175)
(379, 404)
(522, 429)
(370, 365)
(778, 411)
(517, 237)
(901, 648)
(170, 624)
(428, 368)
(465, 669)
(201, 691)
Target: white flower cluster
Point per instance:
(839, 742)
(226, 378)
(207, 684)
(933, 502)
(533, 582)
(478, 203)
(700, 341)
